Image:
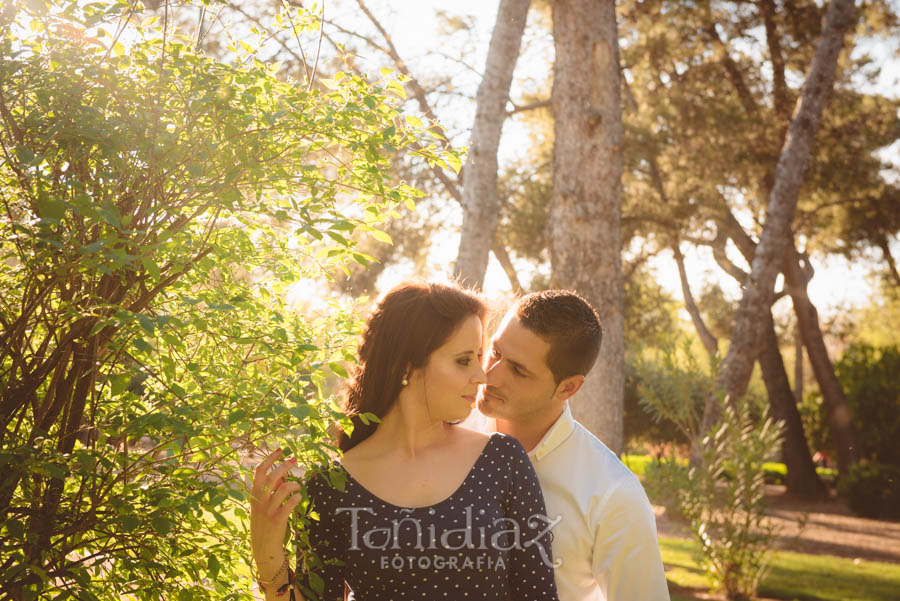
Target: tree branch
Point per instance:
(885, 247)
(706, 337)
(779, 85)
(527, 107)
(734, 73)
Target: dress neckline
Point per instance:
(469, 474)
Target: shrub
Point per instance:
(723, 496)
(158, 206)
(872, 490)
(663, 479)
(868, 376)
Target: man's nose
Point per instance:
(492, 372)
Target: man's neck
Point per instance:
(531, 430)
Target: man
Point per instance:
(606, 536)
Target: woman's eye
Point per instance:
(464, 361)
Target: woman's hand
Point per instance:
(272, 500)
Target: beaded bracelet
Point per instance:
(284, 566)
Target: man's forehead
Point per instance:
(520, 343)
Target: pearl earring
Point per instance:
(404, 381)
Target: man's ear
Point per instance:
(568, 387)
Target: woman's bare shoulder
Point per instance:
(471, 438)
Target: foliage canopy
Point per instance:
(158, 208)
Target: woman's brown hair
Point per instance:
(406, 326)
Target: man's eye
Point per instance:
(495, 353)
(518, 372)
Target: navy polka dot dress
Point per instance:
(489, 540)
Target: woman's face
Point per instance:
(453, 373)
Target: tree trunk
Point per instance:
(798, 365)
(706, 337)
(802, 479)
(585, 204)
(479, 198)
(839, 415)
(747, 334)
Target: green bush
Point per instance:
(774, 473)
(868, 376)
(159, 209)
(723, 496)
(872, 490)
(662, 481)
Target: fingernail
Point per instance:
(292, 460)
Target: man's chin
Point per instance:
(488, 406)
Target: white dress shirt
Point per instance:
(606, 536)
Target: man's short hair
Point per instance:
(571, 326)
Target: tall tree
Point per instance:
(747, 335)
(479, 194)
(585, 204)
(802, 479)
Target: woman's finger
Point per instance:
(282, 493)
(289, 506)
(261, 472)
(273, 481)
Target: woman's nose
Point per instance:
(479, 377)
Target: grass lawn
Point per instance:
(793, 576)
(774, 472)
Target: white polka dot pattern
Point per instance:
(489, 540)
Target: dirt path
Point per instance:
(831, 529)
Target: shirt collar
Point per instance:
(555, 436)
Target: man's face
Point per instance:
(520, 385)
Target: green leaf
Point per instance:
(161, 524)
(301, 412)
(128, 522)
(236, 416)
(142, 345)
(151, 267)
(220, 519)
(316, 583)
(117, 383)
(338, 369)
(49, 208)
(147, 322)
(15, 528)
(212, 563)
(455, 162)
(382, 236)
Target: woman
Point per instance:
(430, 510)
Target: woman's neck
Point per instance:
(408, 431)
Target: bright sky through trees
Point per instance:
(838, 285)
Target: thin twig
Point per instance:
(319, 49)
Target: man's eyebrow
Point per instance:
(515, 364)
